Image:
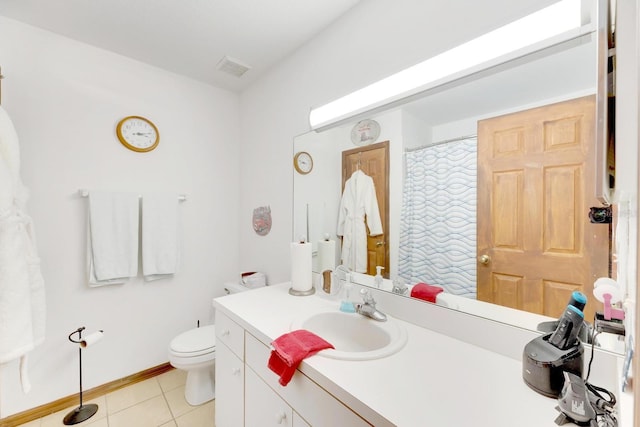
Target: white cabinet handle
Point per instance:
(235, 371)
(281, 417)
(226, 333)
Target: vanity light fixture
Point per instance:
(482, 52)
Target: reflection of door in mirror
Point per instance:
(536, 244)
(373, 160)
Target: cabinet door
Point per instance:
(298, 421)
(263, 407)
(229, 388)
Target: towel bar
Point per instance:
(85, 193)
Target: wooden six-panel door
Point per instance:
(535, 187)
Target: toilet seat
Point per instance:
(195, 342)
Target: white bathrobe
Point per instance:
(22, 298)
(358, 199)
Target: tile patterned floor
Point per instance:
(156, 402)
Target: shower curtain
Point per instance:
(438, 219)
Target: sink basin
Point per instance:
(354, 336)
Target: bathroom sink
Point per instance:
(354, 337)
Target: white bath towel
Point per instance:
(160, 243)
(22, 292)
(112, 237)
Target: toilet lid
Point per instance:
(195, 340)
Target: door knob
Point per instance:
(380, 243)
(484, 259)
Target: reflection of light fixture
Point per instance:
(525, 32)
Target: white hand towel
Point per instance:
(113, 237)
(160, 247)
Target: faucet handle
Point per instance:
(367, 297)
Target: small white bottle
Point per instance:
(377, 280)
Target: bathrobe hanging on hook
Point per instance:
(22, 293)
(358, 200)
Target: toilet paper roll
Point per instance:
(91, 339)
(301, 274)
(326, 255)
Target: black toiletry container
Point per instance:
(543, 365)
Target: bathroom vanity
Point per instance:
(434, 379)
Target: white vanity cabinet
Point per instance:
(248, 392)
(309, 403)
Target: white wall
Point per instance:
(373, 40)
(65, 99)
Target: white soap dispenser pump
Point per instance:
(377, 280)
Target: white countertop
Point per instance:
(434, 380)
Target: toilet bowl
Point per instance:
(194, 351)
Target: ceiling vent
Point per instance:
(232, 66)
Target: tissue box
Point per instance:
(253, 279)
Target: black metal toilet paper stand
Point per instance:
(82, 412)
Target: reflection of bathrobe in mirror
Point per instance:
(22, 297)
(358, 199)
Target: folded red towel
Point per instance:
(289, 350)
(426, 292)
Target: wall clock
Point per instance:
(303, 162)
(138, 134)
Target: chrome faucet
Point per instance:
(368, 308)
(399, 287)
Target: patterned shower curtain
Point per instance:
(438, 219)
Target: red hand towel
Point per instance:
(290, 349)
(426, 292)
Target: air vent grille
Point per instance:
(232, 66)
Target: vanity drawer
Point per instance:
(230, 333)
(307, 398)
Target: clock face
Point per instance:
(303, 162)
(138, 134)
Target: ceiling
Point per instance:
(188, 37)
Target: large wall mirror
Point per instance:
(444, 191)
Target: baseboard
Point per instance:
(87, 395)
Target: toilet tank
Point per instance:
(234, 288)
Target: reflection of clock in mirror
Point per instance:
(303, 162)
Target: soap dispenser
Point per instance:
(377, 280)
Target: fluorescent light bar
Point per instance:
(541, 25)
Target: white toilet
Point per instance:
(195, 352)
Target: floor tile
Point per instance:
(157, 402)
(132, 395)
(99, 423)
(150, 413)
(172, 379)
(201, 416)
(177, 403)
(56, 419)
